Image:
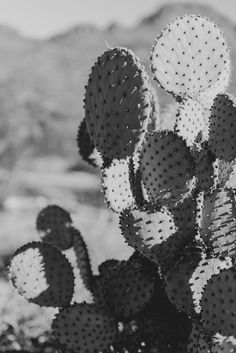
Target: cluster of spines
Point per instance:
(172, 190)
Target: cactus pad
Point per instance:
(177, 283)
(190, 121)
(82, 258)
(197, 340)
(219, 223)
(207, 170)
(52, 217)
(202, 274)
(107, 266)
(207, 97)
(219, 303)
(116, 185)
(184, 213)
(128, 289)
(222, 136)
(225, 172)
(86, 147)
(166, 165)
(223, 344)
(148, 230)
(42, 274)
(189, 56)
(148, 226)
(154, 122)
(84, 328)
(117, 103)
(53, 224)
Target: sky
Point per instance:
(44, 18)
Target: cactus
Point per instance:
(190, 122)
(222, 139)
(85, 145)
(42, 274)
(189, 56)
(166, 171)
(172, 188)
(85, 328)
(117, 185)
(219, 304)
(117, 103)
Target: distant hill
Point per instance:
(42, 82)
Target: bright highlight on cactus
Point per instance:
(169, 176)
(116, 184)
(189, 56)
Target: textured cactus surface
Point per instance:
(189, 56)
(169, 176)
(117, 103)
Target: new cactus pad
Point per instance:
(168, 173)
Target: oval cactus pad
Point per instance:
(166, 164)
(222, 134)
(189, 56)
(117, 103)
(85, 328)
(42, 274)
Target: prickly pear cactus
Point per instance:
(173, 191)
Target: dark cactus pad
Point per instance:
(82, 258)
(85, 145)
(129, 288)
(166, 166)
(85, 328)
(219, 303)
(53, 224)
(117, 103)
(222, 136)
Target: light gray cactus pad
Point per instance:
(190, 120)
(147, 228)
(218, 226)
(206, 268)
(116, 185)
(189, 56)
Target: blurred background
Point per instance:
(46, 50)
